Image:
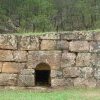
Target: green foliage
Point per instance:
(51, 15)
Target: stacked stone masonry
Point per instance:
(73, 57)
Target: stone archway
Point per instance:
(42, 75)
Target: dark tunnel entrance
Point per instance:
(42, 75)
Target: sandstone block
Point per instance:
(81, 82)
(68, 59)
(62, 45)
(79, 46)
(28, 43)
(6, 55)
(1, 67)
(67, 36)
(20, 56)
(54, 45)
(52, 58)
(8, 41)
(95, 59)
(77, 35)
(97, 73)
(48, 45)
(12, 67)
(86, 72)
(96, 35)
(83, 59)
(80, 35)
(69, 82)
(95, 46)
(71, 72)
(57, 82)
(98, 84)
(56, 73)
(8, 79)
(50, 36)
(26, 80)
(27, 72)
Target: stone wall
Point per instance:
(74, 58)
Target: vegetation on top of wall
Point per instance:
(43, 33)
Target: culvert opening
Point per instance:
(42, 75)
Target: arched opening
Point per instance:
(42, 75)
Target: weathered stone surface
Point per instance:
(28, 43)
(26, 80)
(6, 55)
(8, 79)
(56, 73)
(71, 72)
(86, 72)
(57, 82)
(69, 82)
(8, 41)
(95, 46)
(79, 46)
(62, 45)
(83, 59)
(67, 36)
(81, 82)
(1, 66)
(98, 84)
(27, 72)
(52, 58)
(95, 59)
(12, 67)
(80, 35)
(50, 36)
(20, 56)
(97, 73)
(68, 59)
(96, 35)
(48, 45)
(77, 35)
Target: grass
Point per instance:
(31, 33)
(43, 33)
(68, 94)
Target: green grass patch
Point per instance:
(68, 94)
